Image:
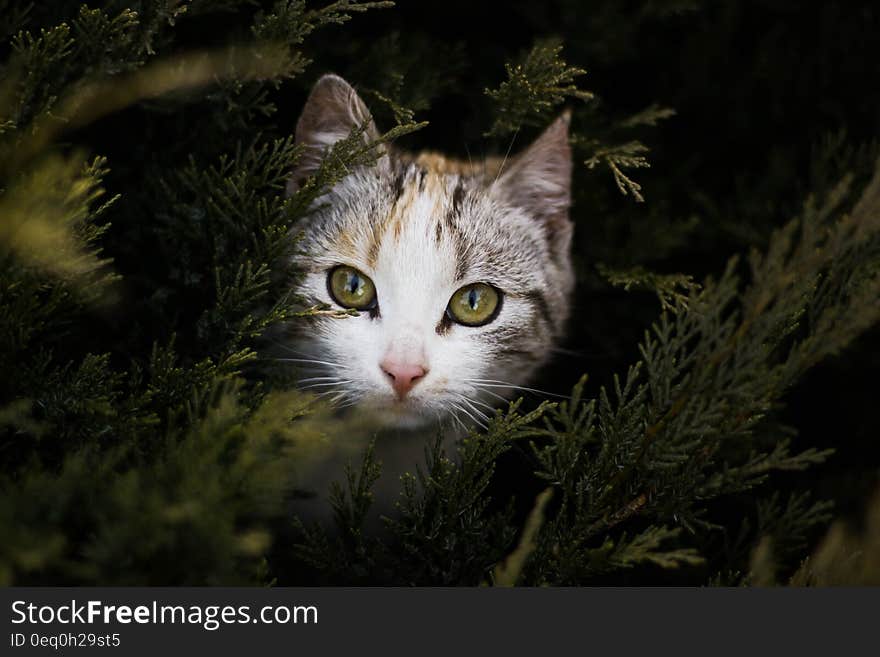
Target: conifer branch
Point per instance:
(534, 88)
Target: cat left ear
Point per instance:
(538, 180)
(331, 112)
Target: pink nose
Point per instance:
(403, 376)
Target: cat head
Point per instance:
(460, 273)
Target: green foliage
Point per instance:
(619, 157)
(172, 439)
(400, 73)
(508, 572)
(534, 88)
(442, 534)
(843, 558)
(94, 43)
(204, 496)
(784, 531)
(671, 289)
(145, 231)
(51, 221)
(628, 155)
(709, 376)
(290, 22)
(540, 83)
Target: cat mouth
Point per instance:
(405, 406)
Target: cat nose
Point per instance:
(403, 375)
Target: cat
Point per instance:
(459, 275)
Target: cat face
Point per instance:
(460, 274)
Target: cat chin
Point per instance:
(404, 416)
(379, 412)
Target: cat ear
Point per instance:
(331, 112)
(538, 180)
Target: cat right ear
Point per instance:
(539, 179)
(331, 112)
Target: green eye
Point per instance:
(351, 289)
(474, 305)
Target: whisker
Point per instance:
(340, 396)
(491, 383)
(348, 404)
(468, 151)
(305, 360)
(506, 155)
(288, 348)
(322, 397)
(460, 423)
(466, 412)
(488, 407)
(577, 353)
(493, 394)
(324, 385)
(476, 410)
(470, 405)
(319, 378)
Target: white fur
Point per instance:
(414, 276)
